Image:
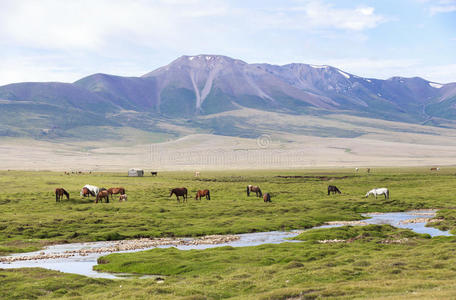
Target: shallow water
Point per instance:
(83, 265)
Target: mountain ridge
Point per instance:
(192, 86)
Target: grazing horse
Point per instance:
(333, 189)
(85, 192)
(93, 190)
(267, 197)
(254, 188)
(379, 191)
(179, 192)
(435, 169)
(154, 173)
(103, 193)
(59, 192)
(117, 190)
(123, 197)
(202, 193)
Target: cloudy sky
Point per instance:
(54, 40)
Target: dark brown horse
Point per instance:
(85, 192)
(179, 192)
(333, 189)
(256, 189)
(117, 190)
(59, 192)
(103, 193)
(202, 193)
(267, 197)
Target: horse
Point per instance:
(254, 188)
(85, 192)
(379, 191)
(197, 174)
(154, 173)
(179, 192)
(123, 197)
(59, 192)
(103, 193)
(333, 189)
(435, 169)
(368, 170)
(202, 193)
(267, 197)
(117, 190)
(93, 190)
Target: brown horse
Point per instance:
(254, 188)
(85, 192)
(179, 192)
(59, 192)
(117, 190)
(267, 197)
(202, 193)
(103, 193)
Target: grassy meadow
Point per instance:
(365, 267)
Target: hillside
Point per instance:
(180, 98)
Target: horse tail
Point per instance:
(387, 194)
(66, 194)
(56, 196)
(248, 191)
(329, 190)
(208, 195)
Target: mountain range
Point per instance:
(204, 93)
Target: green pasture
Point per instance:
(366, 267)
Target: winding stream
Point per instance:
(86, 254)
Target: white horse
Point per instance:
(379, 191)
(91, 188)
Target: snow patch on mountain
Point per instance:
(435, 85)
(344, 74)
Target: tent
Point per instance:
(135, 173)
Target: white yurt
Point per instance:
(135, 172)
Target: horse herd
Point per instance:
(102, 193)
(91, 190)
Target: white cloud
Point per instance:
(441, 6)
(320, 15)
(92, 25)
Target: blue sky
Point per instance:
(51, 40)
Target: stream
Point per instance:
(84, 255)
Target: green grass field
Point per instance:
(366, 268)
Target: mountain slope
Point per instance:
(182, 92)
